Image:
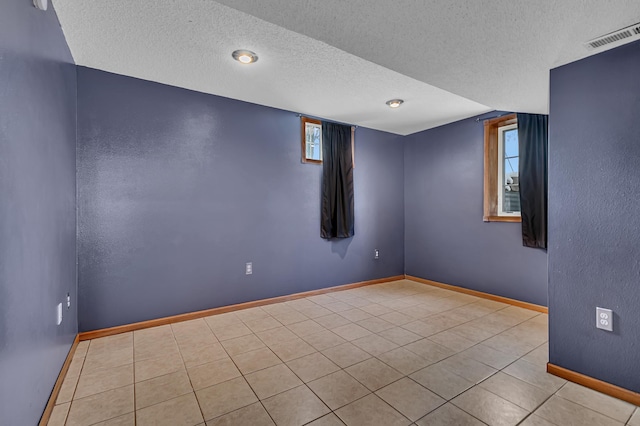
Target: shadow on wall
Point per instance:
(340, 246)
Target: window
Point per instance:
(311, 140)
(501, 161)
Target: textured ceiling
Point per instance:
(341, 60)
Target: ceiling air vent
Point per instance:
(619, 37)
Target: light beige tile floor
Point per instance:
(399, 353)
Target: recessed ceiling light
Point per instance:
(395, 103)
(245, 56)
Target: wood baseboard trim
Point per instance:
(595, 384)
(88, 335)
(514, 302)
(48, 409)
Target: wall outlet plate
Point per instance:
(376, 254)
(604, 319)
(248, 270)
(59, 314)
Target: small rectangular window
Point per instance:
(311, 140)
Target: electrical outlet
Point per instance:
(604, 319)
(59, 314)
(68, 301)
(248, 270)
(376, 254)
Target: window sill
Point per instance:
(514, 219)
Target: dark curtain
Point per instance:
(337, 182)
(533, 141)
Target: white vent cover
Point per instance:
(616, 38)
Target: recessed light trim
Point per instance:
(394, 103)
(244, 56)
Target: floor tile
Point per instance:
(324, 340)
(399, 336)
(193, 355)
(155, 367)
(100, 407)
(242, 344)
(338, 306)
(489, 407)
(254, 415)
(374, 374)
(374, 344)
(162, 388)
(252, 314)
(351, 331)
(272, 380)
(514, 390)
(410, 399)
(376, 309)
(295, 407)
(429, 350)
(225, 397)
(205, 375)
(183, 410)
(128, 419)
(327, 420)
(566, 413)
(68, 389)
(468, 368)
(452, 341)
(371, 411)
(98, 381)
(290, 317)
(276, 335)
(195, 332)
(262, 324)
(539, 355)
(305, 328)
(355, 314)
(312, 367)
(403, 360)
(256, 360)
(332, 321)
(635, 418)
(441, 381)
(604, 404)
(107, 359)
(338, 389)
(489, 356)
(231, 331)
(375, 325)
(449, 415)
(222, 320)
(534, 420)
(59, 414)
(535, 375)
(292, 349)
(346, 354)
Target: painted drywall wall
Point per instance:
(594, 215)
(37, 209)
(177, 190)
(446, 239)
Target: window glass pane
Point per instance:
(313, 136)
(511, 165)
(511, 143)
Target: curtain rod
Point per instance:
(355, 126)
(490, 118)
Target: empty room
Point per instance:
(289, 213)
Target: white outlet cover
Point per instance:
(59, 314)
(604, 319)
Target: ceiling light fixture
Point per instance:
(395, 103)
(245, 56)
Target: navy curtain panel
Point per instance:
(337, 215)
(533, 141)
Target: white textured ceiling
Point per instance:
(341, 60)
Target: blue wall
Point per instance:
(177, 190)
(594, 215)
(446, 239)
(37, 210)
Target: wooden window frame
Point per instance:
(303, 138)
(491, 126)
